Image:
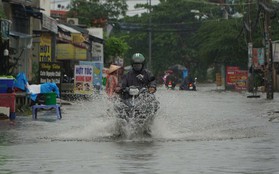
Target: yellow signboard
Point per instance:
(77, 37)
(218, 79)
(45, 48)
(80, 53)
(70, 52)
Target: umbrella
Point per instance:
(169, 71)
(177, 68)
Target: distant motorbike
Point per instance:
(136, 114)
(189, 85)
(171, 85)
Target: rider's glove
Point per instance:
(151, 90)
(140, 77)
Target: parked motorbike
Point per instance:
(136, 114)
(67, 79)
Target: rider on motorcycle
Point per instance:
(171, 80)
(138, 76)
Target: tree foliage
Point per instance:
(97, 12)
(195, 34)
(172, 25)
(218, 42)
(192, 33)
(114, 47)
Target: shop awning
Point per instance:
(66, 28)
(82, 30)
(96, 39)
(50, 23)
(20, 40)
(20, 35)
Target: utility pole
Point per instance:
(150, 36)
(268, 53)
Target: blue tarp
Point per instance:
(46, 88)
(21, 83)
(50, 87)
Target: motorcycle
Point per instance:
(171, 85)
(189, 85)
(135, 115)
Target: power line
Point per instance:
(58, 1)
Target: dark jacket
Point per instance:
(140, 79)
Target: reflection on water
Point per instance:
(138, 156)
(200, 131)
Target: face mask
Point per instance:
(137, 67)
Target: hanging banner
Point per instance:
(258, 57)
(98, 74)
(83, 79)
(261, 56)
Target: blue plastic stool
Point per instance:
(36, 107)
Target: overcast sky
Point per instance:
(131, 3)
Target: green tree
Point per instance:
(193, 33)
(114, 47)
(172, 26)
(228, 47)
(97, 12)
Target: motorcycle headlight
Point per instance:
(134, 91)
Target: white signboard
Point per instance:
(97, 52)
(97, 48)
(83, 82)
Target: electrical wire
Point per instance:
(203, 2)
(59, 1)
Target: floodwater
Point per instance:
(203, 131)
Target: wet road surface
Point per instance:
(203, 131)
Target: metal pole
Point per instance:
(150, 37)
(268, 54)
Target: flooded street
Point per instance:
(203, 131)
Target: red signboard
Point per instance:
(241, 79)
(231, 75)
